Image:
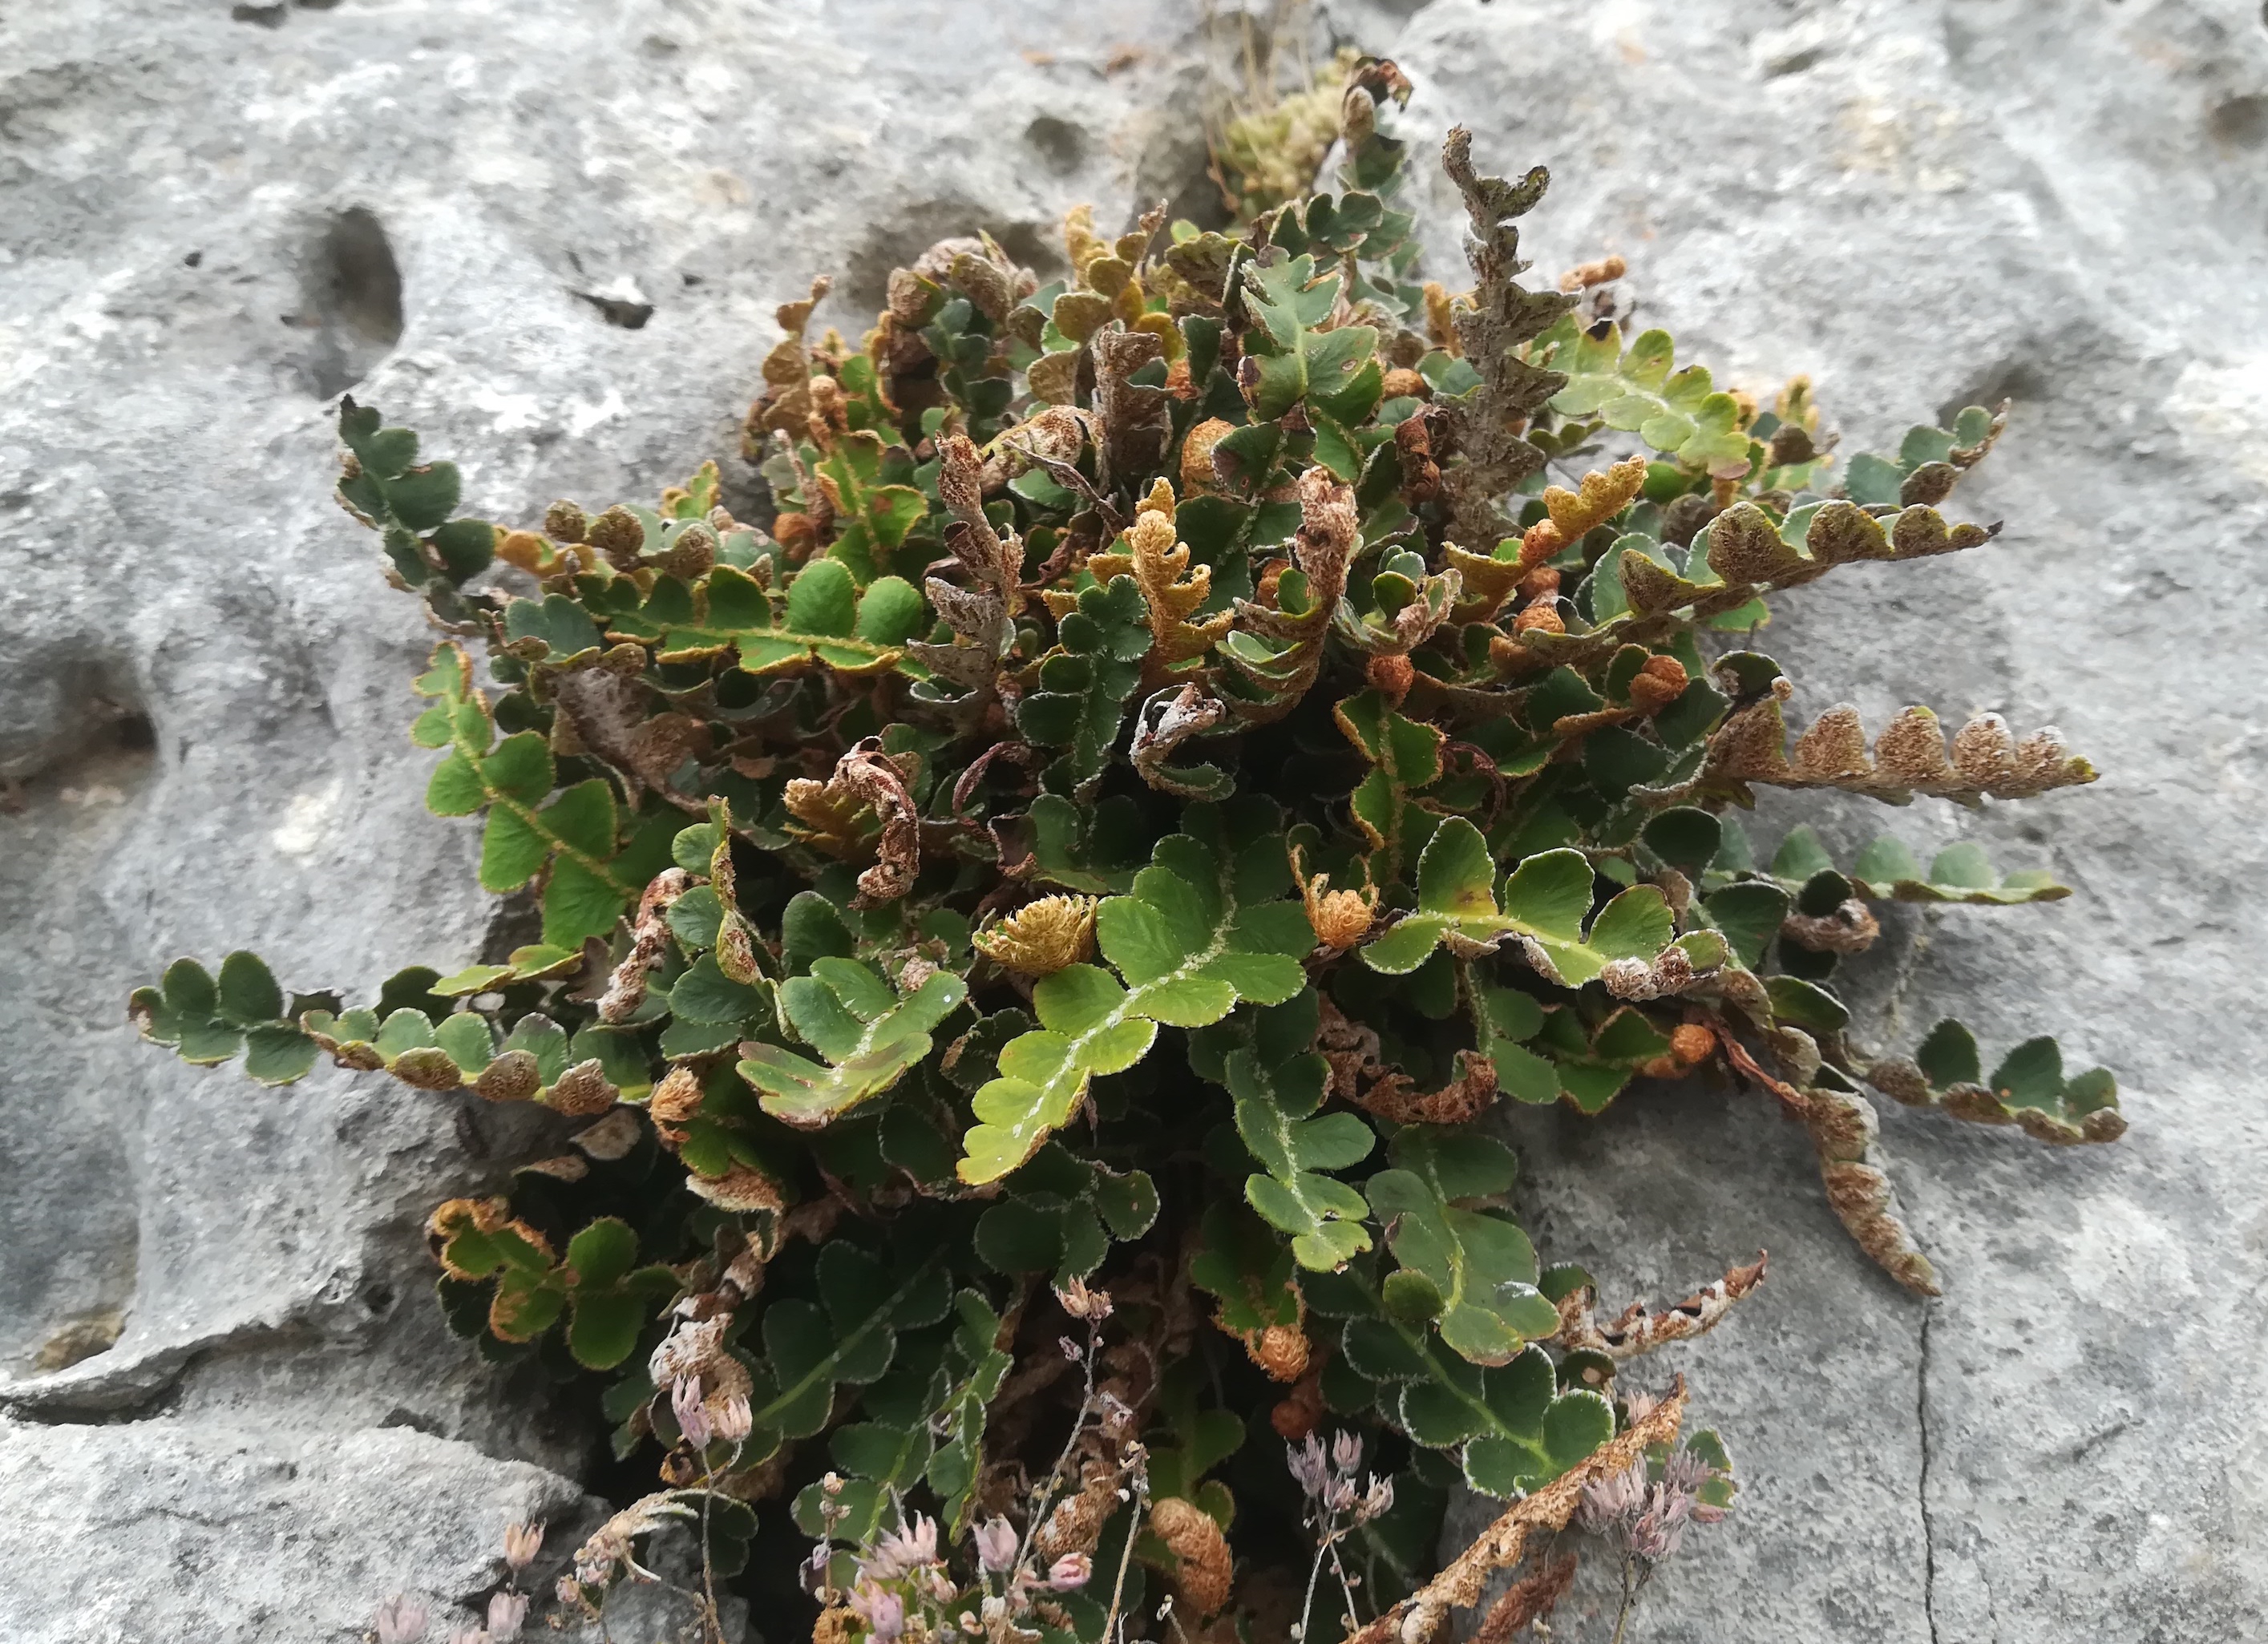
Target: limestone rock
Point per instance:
(196, 1530)
(550, 236)
(1925, 205)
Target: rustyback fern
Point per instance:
(1030, 932)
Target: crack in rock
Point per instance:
(1921, 1491)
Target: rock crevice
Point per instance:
(1912, 201)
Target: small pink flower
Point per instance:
(1081, 1302)
(1308, 1466)
(1688, 1472)
(1614, 1500)
(1069, 1573)
(400, 1620)
(882, 1610)
(996, 1545)
(521, 1544)
(732, 1420)
(902, 1551)
(507, 1612)
(1655, 1536)
(692, 1418)
(1346, 1452)
(1379, 1499)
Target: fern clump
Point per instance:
(1031, 934)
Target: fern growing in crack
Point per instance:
(1032, 931)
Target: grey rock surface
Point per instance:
(201, 1529)
(1922, 206)
(235, 1413)
(214, 1303)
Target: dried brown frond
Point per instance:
(1395, 1097)
(1635, 1330)
(829, 817)
(1527, 1600)
(1159, 565)
(1340, 919)
(1583, 276)
(1203, 1570)
(1500, 1546)
(649, 942)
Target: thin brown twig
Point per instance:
(1126, 1558)
(1046, 1495)
(708, 1565)
(1797, 1104)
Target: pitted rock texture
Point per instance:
(550, 236)
(185, 1524)
(1925, 205)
